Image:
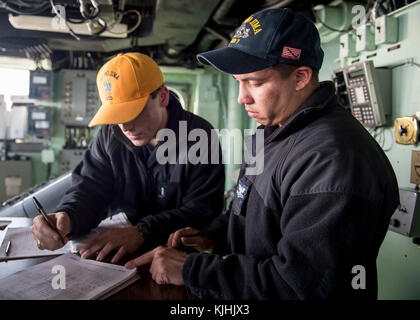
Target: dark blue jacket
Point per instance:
(115, 176)
(305, 227)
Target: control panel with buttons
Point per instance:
(406, 218)
(369, 93)
(79, 97)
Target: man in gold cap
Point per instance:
(121, 170)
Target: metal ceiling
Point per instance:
(171, 31)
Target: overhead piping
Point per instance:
(278, 4)
(221, 12)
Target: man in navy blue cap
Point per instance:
(311, 224)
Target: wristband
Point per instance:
(143, 230)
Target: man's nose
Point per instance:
(243, 95)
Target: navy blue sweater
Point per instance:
(320, 208)
(115, 176)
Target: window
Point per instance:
(13, 82)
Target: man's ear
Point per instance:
(303, 77)
(164, 96)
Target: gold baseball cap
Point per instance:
(125, 83)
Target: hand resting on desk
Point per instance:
(125, 240)
(167, 262)
(166, 265)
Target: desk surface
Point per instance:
(143, 289)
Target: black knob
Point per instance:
(402, 130)
(395, 223)
(416, 241)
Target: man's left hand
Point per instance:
(166, 265)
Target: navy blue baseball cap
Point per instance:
(267, 38)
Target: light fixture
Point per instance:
(40, 23)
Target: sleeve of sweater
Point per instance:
(87, 199)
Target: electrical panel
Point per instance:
(39, 120)
(369, 92)
(386, 30)
(41, 85)
(69, 159)
(406, 219)
(365, 38)
(347, 45)
(79, 97)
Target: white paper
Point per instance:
(119, 220)
(23, 245)
(83, 280)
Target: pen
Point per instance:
(44, 214)
(8, 247)
(199, 233)
(188, 247)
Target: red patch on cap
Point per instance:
(291, 53)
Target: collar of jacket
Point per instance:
(175, 113)
(318, 101)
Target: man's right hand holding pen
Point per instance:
(122, 240)
(46, 237)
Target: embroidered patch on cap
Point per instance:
(291, 53)
(107, 86)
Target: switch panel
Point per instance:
(365, 38)
(79, 97)
(386, 30)
(41, 85)
(347, 45)
(39, 120)
(68, 159)
(406, 219)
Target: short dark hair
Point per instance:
(154, 93)
(285, 70)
